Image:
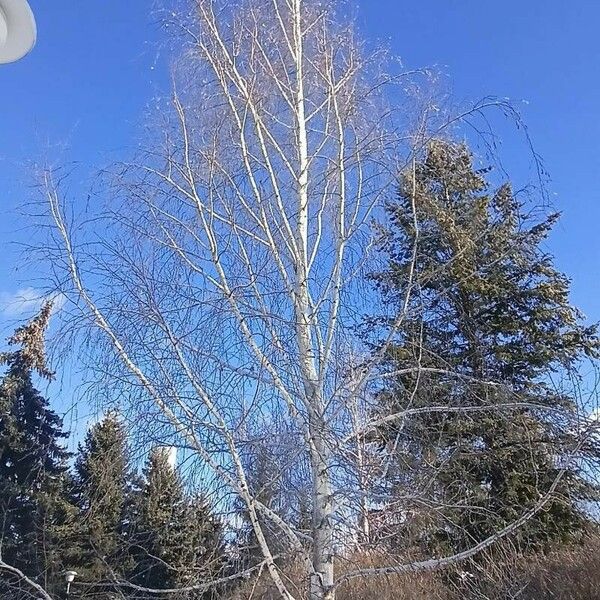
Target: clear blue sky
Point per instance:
(81, 94)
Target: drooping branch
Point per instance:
(21, 577)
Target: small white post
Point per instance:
(69, 578)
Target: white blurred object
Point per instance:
(18, 31)
(172, 457)
(170, 453)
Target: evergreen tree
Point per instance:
(264, 481)
(101, 489)
(278, 484)
(36, 515)
(178, 541)
(486, 305)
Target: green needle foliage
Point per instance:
(36, 514)
(490, 325)
(101, 475)
(178, 541)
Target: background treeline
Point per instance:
(476, 422)
(99, 517)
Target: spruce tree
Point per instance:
(178, 542)
(279, 486)
(490, 323)
(36, 515)
(265, 486)
(102, 481)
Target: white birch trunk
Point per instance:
(222, 284)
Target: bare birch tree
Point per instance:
(218, 290)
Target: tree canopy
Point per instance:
(489, 333)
